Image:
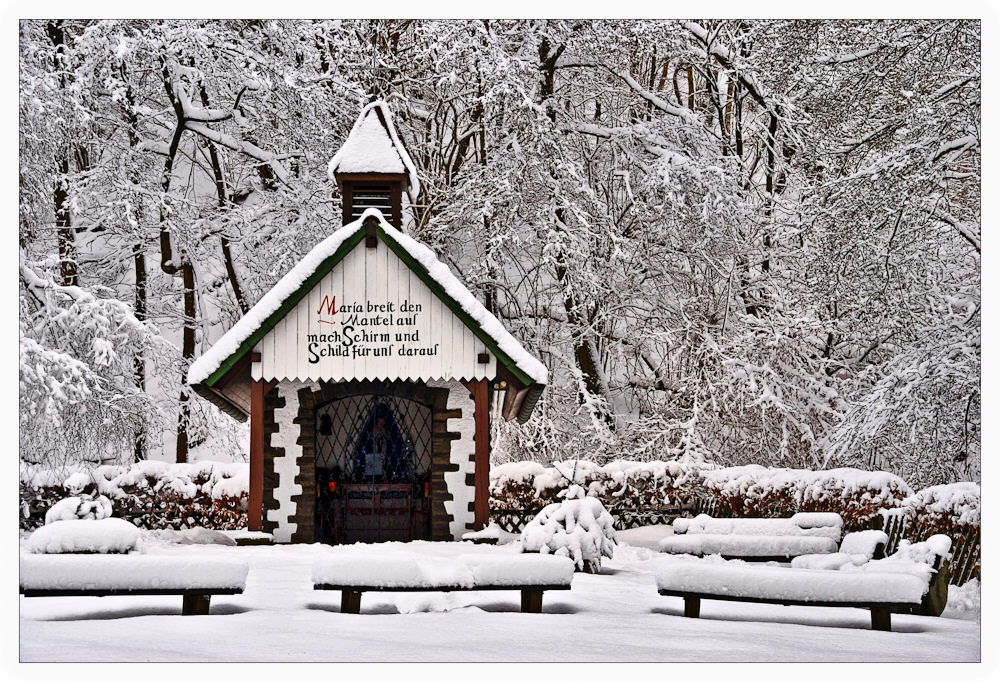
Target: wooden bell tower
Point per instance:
(372, 169)
(361, 191)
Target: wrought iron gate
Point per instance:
(373, 457)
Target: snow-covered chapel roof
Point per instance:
(373, 146)
(235, 344)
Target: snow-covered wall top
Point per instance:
(292, 282)
(374, 148)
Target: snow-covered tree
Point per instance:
(743, 241)
(579, 527)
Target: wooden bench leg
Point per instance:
(196, 604)
(692, 607)
(881, 619)
(531, 601)
(350, 602)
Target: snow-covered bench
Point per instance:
(354, 573)
(106, 575)
(98, 558)
(755, 539)
(856, 548)
(910, 581)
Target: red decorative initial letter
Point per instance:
(329, 304)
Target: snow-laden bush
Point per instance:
(79, 507)
(150, 494)
(952, 510)
(639, 484)
(944, 508)
(756, 491)
(579, 528)
(744, 491)
(622, 483)
(966, 598)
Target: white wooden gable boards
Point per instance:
(371, 318)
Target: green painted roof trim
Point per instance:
(324, 268)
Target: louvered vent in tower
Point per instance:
(371, 196)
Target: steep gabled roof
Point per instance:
(373, 146)
(233, 348)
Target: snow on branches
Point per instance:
(579, 528)
(77, 358)
(730, 241)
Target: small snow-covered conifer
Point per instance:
(579, 528)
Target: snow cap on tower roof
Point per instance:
(373, 146)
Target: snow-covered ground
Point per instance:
(616, 615)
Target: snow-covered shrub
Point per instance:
(623, 483)
(35, 502)
(966, 598)
(77, 483)
(952, 510)
(756, 491)
(151, 494)
(79, 507)
(579, 528)
(744, 491)
(640, 484)
(947, 509)
(513, 486)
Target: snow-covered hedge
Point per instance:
(951, 504)
(746, 491)
(758, 491)
(530, 485)
(952, 509)
(150, 494)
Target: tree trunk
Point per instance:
(60, 193)
(187, 352)
(139, 374)
(183, 267)
(223, 198)
(584, 345)
(64, 227)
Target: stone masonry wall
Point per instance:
(458, 470)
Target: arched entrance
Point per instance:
(373, 461)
